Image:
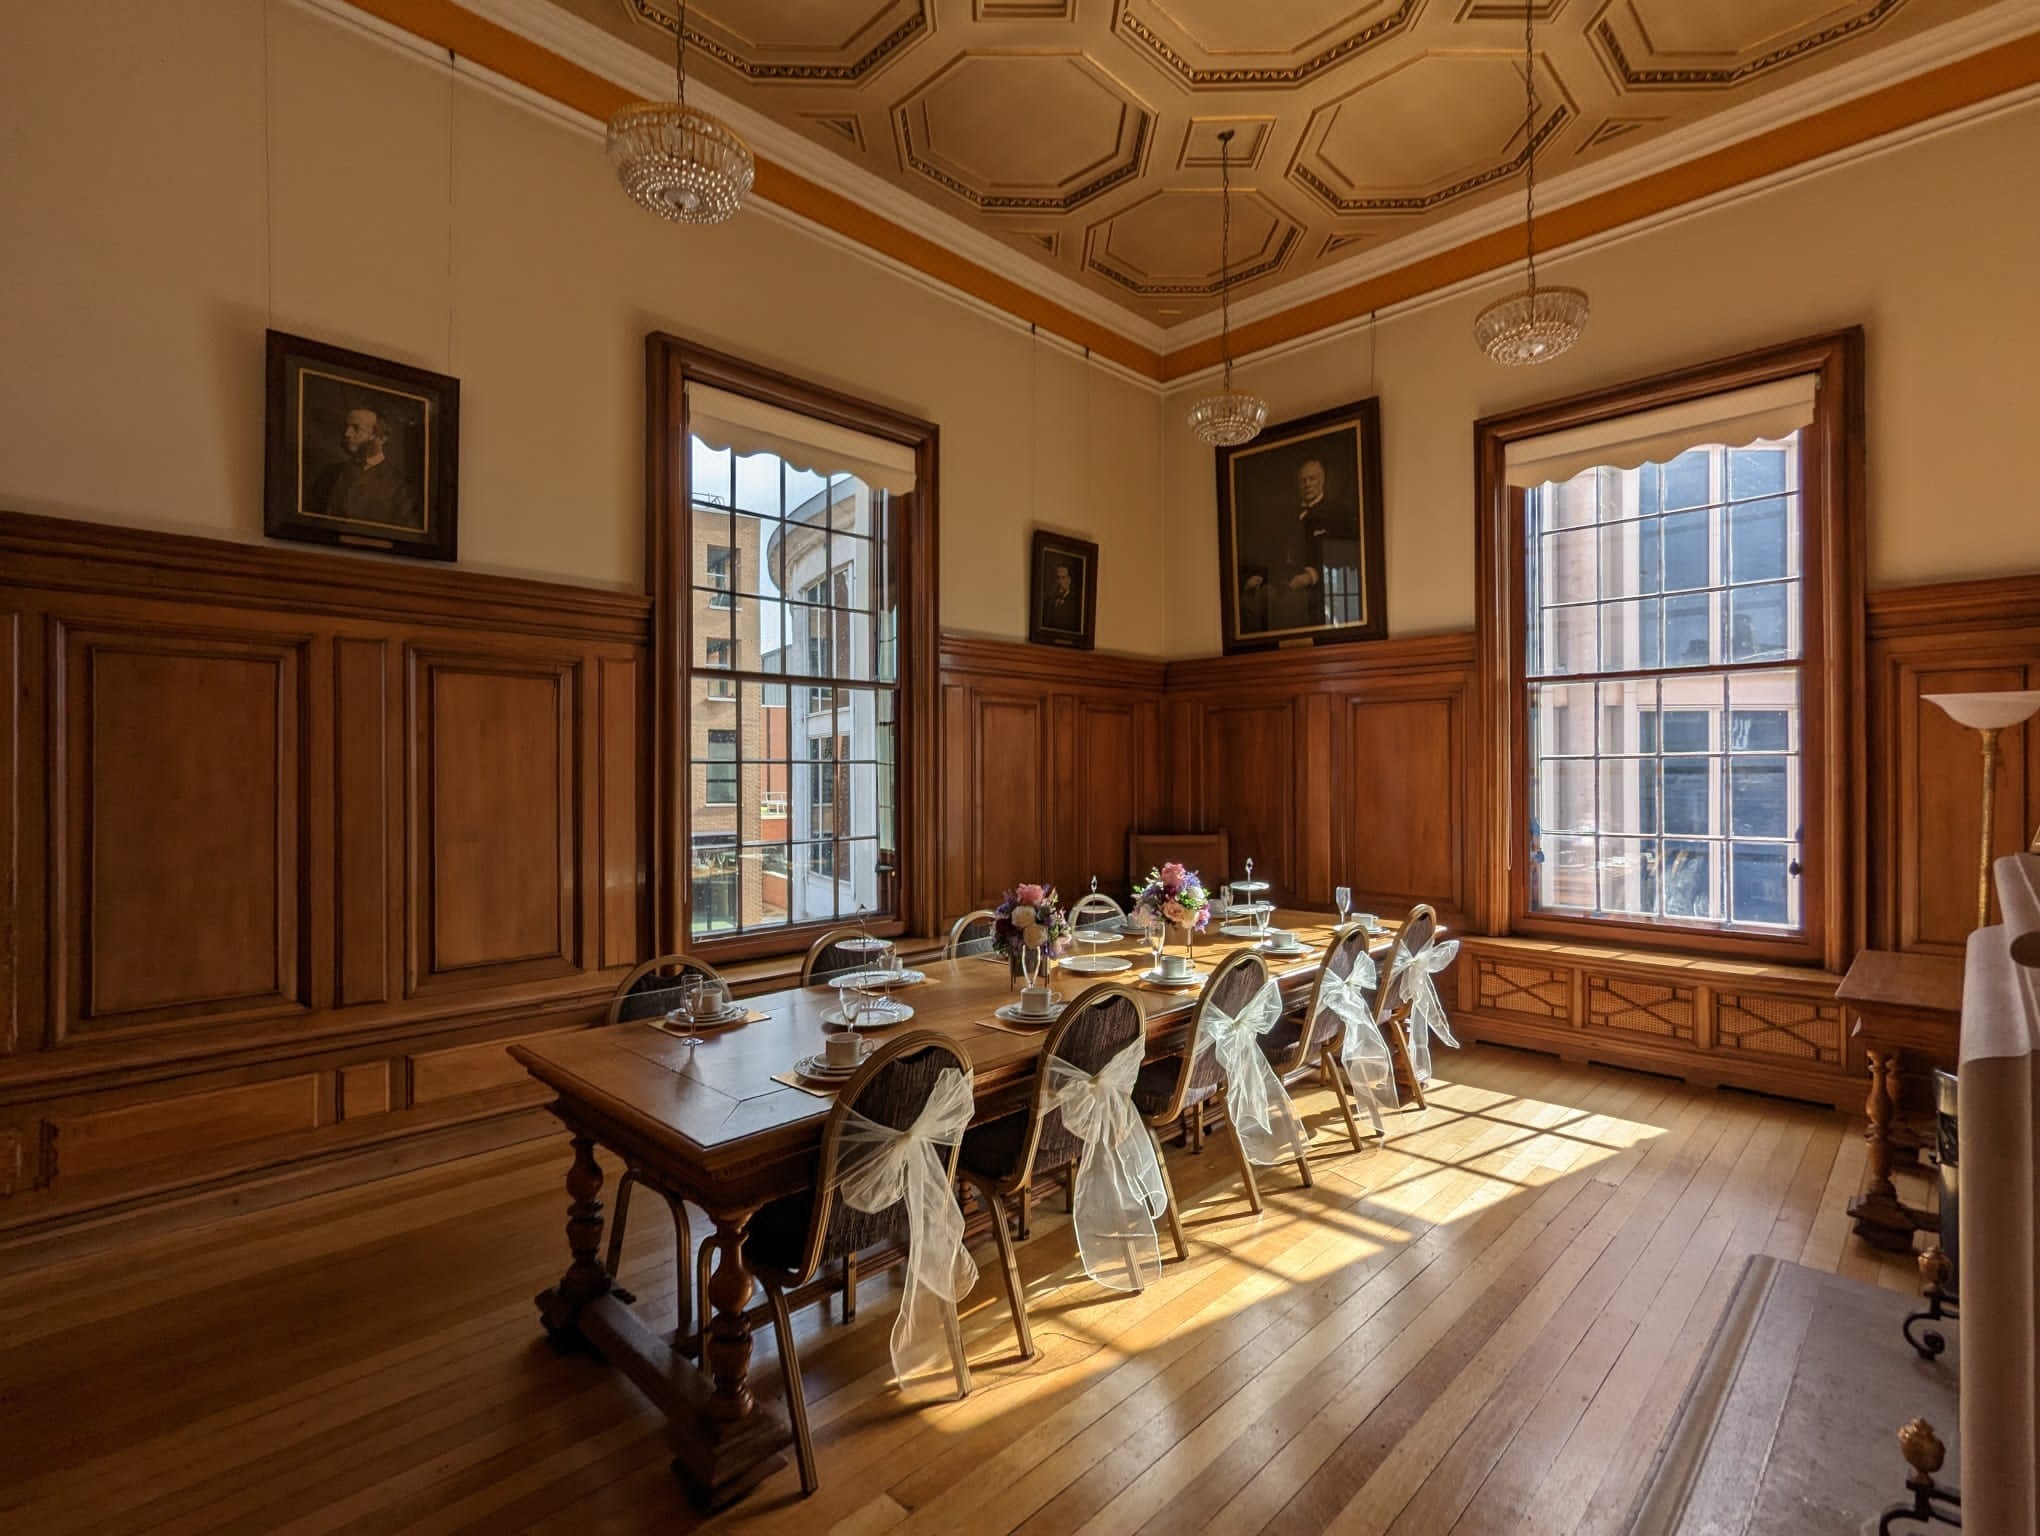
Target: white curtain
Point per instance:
(1762, 411)
(746, 426)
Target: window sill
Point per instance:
(1699, 968)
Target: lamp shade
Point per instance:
(1988, 711)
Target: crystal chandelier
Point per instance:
(680, 162)
(1537, 324)
(1230, 417)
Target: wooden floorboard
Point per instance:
(1484, 1325)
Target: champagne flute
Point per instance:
(1157, 937)
(1343, 896)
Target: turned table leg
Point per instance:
(1879, 1108)
(727, 1352)
(586, 1277)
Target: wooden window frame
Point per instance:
(1833, 748)
(671, 363)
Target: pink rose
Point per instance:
(1173, 911)
(1172, 876)
(1030, 893)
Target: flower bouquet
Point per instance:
(1030, 917)
(1175, 896)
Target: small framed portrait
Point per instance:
(360, 451)
(1062, 605)
(1299, 533)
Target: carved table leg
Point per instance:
(587, 1277)
(727, 1353)
(1881, 1218)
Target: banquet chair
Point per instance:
(1001, 1158)
(790, 1239)
(1413, 937)
(1209, 853)
(1309, 1042)
(649, 992)
(1187, 1080)
(827, 957)
(970, 934)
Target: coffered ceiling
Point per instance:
(1084, 133)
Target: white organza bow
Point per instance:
(878, 1167)
(1427, 1013)
(1364, 1051)
(1119, 1190)
(1255, 1099)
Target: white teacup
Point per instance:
(1281, 938)
(842, 1049)
(1175, 966)
(1036, 1000)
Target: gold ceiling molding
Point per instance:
(1321, 240)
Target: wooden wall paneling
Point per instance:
(619, 756)
(1406, 744)
(13, 700)
(364, 1090)
(960, 801)
(363, 883)
(1063, 777)
(94, 1142)
(1111, 765)
(182, 817)
(1318, 768)
(1248, 765)
(461, 1070)
(495, 864)
(1009, 749)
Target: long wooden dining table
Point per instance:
(710, 1123)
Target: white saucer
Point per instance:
(899, 1014)
(1289, 952)
(1012, 1015)
(1095, 965)
(817, 1068)
(1239, 930)
(878, 978)
(729, 1015)
(1157, 979)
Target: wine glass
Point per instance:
(688, 1002)
(1157, 936)
(1343, 898)
(1030, 964)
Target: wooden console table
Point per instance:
(1907, 1010)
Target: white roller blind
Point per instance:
(1773, 410)
(737, 422)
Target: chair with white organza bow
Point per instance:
(1411, 1010)
(1080, 1121)
(1334, 1035)
(886, 1176)
(1188, 1081)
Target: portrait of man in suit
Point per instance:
(365, 484)
(1297, 534)
(1062, 601)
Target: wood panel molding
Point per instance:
(269, 816)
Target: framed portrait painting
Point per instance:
(1062, 595)
(1299, 533)
(360, 451)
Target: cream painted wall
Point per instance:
(1932, 247)
(156, 214)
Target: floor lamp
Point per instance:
(1988, 713)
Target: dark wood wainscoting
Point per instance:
(290, 845)
(1346, 765)
(1926, 772)
(1049, 758)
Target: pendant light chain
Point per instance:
(1225, 252)
(680, 55)
(1529, 149)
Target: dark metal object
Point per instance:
(1946, 1155)
(1931, 1503)
(1941, 1303)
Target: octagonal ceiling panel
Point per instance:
(1167, 244)
(1082, 134)
(1426, 133)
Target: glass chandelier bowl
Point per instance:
(1532, 326)
(1228, 418)
(680, 162)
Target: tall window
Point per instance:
(1674, 573)
(795, 577)
(1663, 677)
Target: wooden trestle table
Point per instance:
(709, 1123)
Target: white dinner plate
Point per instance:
(1095, 965)
(899, 1013)
(1012, 1015)
(878, 979)
(730, 1014)
(1156, 978)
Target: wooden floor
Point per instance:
(1483, 1327)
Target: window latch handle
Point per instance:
(1795, 869)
